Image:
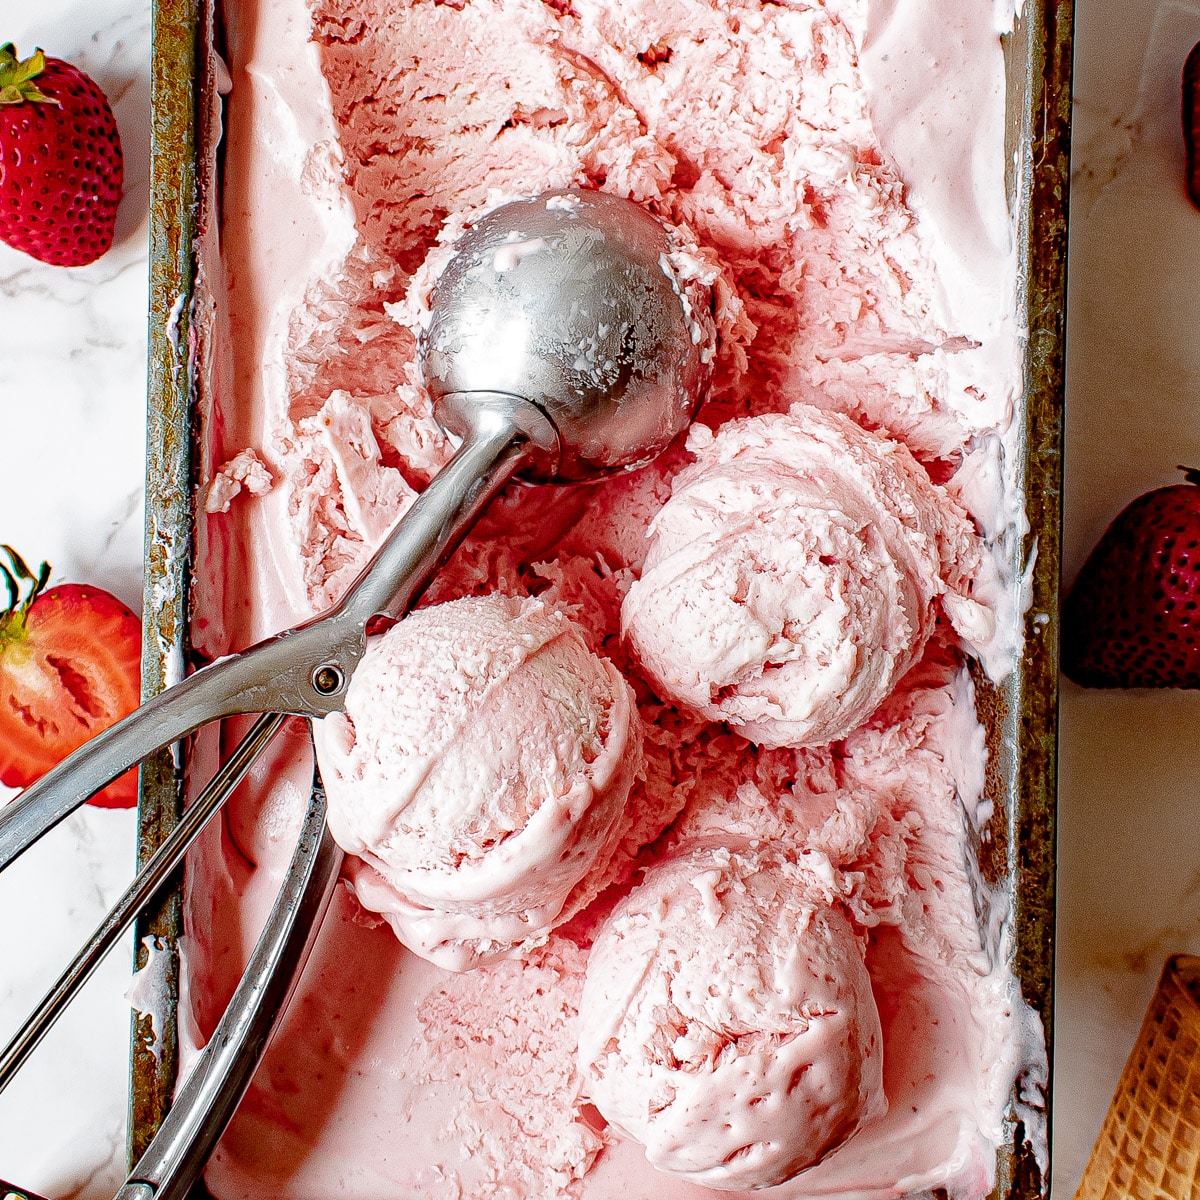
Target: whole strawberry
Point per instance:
(1191, 122)
(1133, 617)
(60, 161)
(70, 666)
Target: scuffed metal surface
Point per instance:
(177, 81)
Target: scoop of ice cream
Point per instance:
(794, 576)
(727, 1021)
(479, 773)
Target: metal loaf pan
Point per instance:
(1021, 716)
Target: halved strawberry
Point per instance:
(70, 666)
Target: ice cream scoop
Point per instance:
(796, 573)
(479, 775)
(571, 302)
(727, 1021)
(563, 345)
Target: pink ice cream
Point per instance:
(479, 775)
(727, 1021)
(361, 137)
(795, 575)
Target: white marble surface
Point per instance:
(73, 382)
(1129, 856)
(72, 377)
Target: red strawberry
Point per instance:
(70, 665)
(1191, 122)
(60, 161)
(1133, 617)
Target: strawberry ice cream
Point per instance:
(479, 775)
(794, 612)
(791, 579)
(727, 1022)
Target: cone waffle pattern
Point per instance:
(1149, 1144)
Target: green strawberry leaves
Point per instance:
(17, 76)
(18, 579)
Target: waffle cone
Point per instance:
(1149, 1144)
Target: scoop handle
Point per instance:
(304, 671)
(145, 885)
(209, 1095)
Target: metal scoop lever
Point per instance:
(172, 1162)
(211, 1092)
(144, 887)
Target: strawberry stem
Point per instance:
(19, 578)
(1191, 474)
(17, 76)
(10, 585)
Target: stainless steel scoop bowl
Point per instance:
(563, 344)
(573, 302)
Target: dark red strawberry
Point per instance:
(1133, 617)
(1191, 122)
(70, 666)
(60, 161)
